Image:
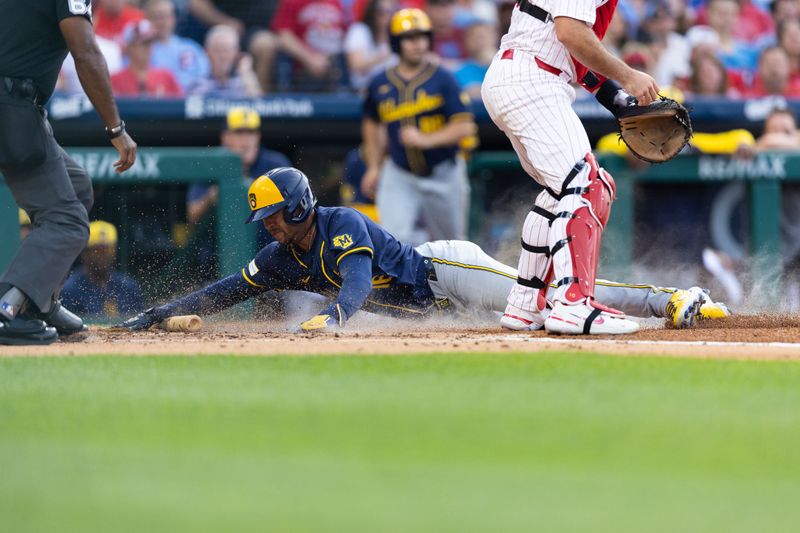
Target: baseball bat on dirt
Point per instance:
(185, 324)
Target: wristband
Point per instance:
(116, 131)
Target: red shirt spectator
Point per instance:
(320, 24)
(112, 16)
(752, 25)
(139, 79)
(774, 76)
(159, 83)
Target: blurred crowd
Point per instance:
(246, 48)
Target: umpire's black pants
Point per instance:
(55, 192)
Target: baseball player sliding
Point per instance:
(527, 92)
(340, 253)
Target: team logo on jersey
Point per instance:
(343, 241)
(381, 281)
(252, 198)
(383, 89)
(252, 268)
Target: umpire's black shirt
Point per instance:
(31, 45)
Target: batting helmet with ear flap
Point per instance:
(407, 23)
(281, 188)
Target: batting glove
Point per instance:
(144, 320)
(331, 319)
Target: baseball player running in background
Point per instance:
(527, 92)
(418, 110)
(340, 253)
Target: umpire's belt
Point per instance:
(534, 11)
(21, 88)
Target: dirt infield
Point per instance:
(739, 337)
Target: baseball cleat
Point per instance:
(684, 306)
(518, 323)
(711, 310)
(585, 319)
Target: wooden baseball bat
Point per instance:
(186, 324)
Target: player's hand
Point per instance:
(413, 138)
(641, 86)
(369, 182)
(144, 320)
(127, 152)
(319, 324)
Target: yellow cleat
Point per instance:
(684, 306)
(713, 310)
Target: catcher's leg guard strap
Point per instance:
(529, 293)
(575, 239)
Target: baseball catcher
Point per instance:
(342, 254)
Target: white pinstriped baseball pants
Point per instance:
(533, 108)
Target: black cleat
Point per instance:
(24, 332)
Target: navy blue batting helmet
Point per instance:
(281, 188)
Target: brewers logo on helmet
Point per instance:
(283, 188)
(407, 23)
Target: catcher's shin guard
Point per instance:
(583, 209)
(529, 293)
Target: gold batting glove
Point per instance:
(323, 322)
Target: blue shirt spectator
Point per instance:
(183, 57)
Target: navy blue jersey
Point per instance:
(428, 101)
(399, 273)
(352, 260)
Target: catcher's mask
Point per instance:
(281, 188)
(408, 23)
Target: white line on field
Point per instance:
(520, 338)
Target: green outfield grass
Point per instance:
(444, 443)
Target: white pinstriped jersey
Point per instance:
(530, 34)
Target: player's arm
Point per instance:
(582, 43)
(451, 134)
(356, 271)
(251, 280)
(373, 134)
(93, 75)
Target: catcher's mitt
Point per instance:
(656, 132)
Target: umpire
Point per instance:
(51, 187)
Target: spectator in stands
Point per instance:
(751, 24)
(448, 40)
(111, 17)
(734, 53)
(139, 78)
(232, 74)
(366, 45)
(242, 136)
(481, 41)
(783, 10)
(774, 76)
(68, 82)
(789, 40)
(670, 48)
(709, 77)
(469, 10)
(95, 289)
(311, 33)
(250, 19)
(183, 57)
(780, 132)
(616, 34)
